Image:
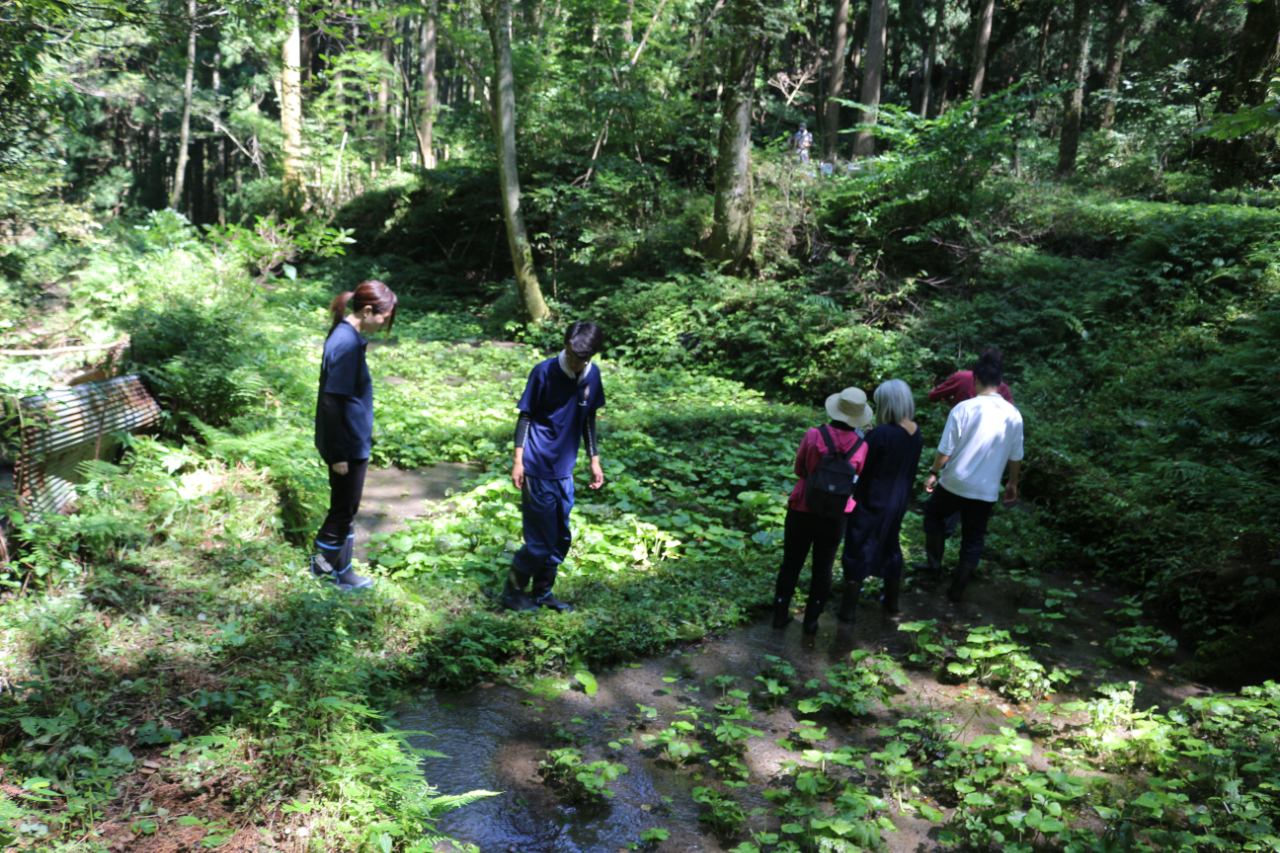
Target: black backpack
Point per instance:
(828, 487)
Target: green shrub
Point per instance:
(579, 783)
(215, 361)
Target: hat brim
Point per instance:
(833, 409)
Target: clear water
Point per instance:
(495, 737)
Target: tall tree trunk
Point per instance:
(1257, 57)
(732, 228)
(864, 142)
(498, 19)
(307, 54)
(982, 40)
(195, 192)
(384, 99)
(291, 107)
(939, 18)
(835, 81)
(1042, 51)
(188, 89)
(1073, 99)
(1115, 58)
(427, 58)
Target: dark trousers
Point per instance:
(336, 539)
(805, 531)
(974, 515)
(544, 507)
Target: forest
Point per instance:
(760, 204)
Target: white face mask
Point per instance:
(563, 360)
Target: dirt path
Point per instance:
(393, 496)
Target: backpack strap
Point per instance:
(831, 445)
(835, 451)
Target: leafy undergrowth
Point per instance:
(179, 675)
(872, 758)
(182, 674)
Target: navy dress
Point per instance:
(871, 545)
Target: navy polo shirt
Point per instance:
(557, 405)
(344, 404)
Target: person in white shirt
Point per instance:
(982, 438)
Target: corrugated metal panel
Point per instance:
(61, 429)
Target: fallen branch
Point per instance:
(63, 350)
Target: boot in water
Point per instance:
(812, 610)
(848, 610)
(935, 545)
(782, 613)
(964, 572)
(892, 587)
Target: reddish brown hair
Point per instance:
(374, 294)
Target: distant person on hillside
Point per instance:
(871, 546)
(817, 520)
(344, 424)
(956, 389)
(557, 413)
(802, 141)
(959, 386)
(982, 437)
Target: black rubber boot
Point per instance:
(542, 595)
(960, 580)
(782, 613)
(848, 610)
(325, 563)
(891, 589)
(550, 602)
(349, 581)
(322, 567)
(812, 610)
(513, 597)
(935, 545)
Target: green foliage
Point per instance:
(775, 335)
(928, 644)
(199, 359)
(1118, 734)
(1140, 643)
(989, 656)
(577, 782)
(930, 181)
(775, 682)
(682, 481)
(677, 743)
(857, 687)
(271, 248)
(722, 814)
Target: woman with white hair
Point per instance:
(871, 546)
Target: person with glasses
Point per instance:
(557, 414)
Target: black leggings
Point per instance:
(804, 530)
(344, 501)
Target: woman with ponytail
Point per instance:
(344, 424)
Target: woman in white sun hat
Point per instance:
(827, 463)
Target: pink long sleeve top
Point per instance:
(812, 449)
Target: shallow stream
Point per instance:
(495, 735)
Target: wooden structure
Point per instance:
(63, 428)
